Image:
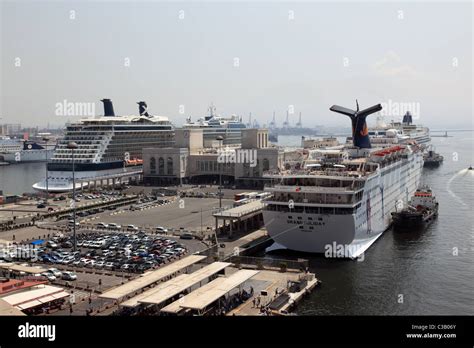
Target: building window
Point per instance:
(161, 166)
(266, 164)
(169, 165)
(152, 165)
(256, 169)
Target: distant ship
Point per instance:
(106, 145)
(345, 198)
(404, 131)
(213, 126)
(19, 151)
(431, 158)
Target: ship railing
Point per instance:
(295, 172)
(315, 189)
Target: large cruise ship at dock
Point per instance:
(105, 145)
(343, 198)
(214, 125)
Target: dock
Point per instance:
(273, 296)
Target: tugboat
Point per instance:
(432, 159)
(421, 211)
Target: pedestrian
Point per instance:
(254, 302)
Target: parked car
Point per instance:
(69, 276)
(51, 244)
(109, 265)
(49, 276)
(186, 236)
(56, 272)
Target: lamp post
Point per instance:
(220, 138)
(47, 188)
(72, 145)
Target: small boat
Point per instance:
(421, 210)
(470, 168)
(134, 162)
(432, 159)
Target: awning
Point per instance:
(30, 304)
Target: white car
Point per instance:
(100, 264)
(56, 272)
(91, 263)
(161, 229)
(102, 225)
(69, 276)
(49, 276)
(109, 265)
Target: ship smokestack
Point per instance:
(108, 107)
(360, 132)
(407, 119)
(142, 108)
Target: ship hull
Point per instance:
(356, 232)
(26, 156)
(412, 221)
(61, 181)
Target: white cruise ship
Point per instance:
(404, 131)
(19, 151)
(213, 125)
(342, 202)
(105, 144)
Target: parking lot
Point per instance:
(182, 213)
(36, 207)
(127, 252)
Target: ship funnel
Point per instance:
(407, 119)
(360, 132)
(142, 108)
(108, 107)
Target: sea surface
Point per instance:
(422, 273)
(17, 179)
(430, 272)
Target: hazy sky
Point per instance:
(309, 55)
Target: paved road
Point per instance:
(185, 212)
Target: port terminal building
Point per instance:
(194, 160)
